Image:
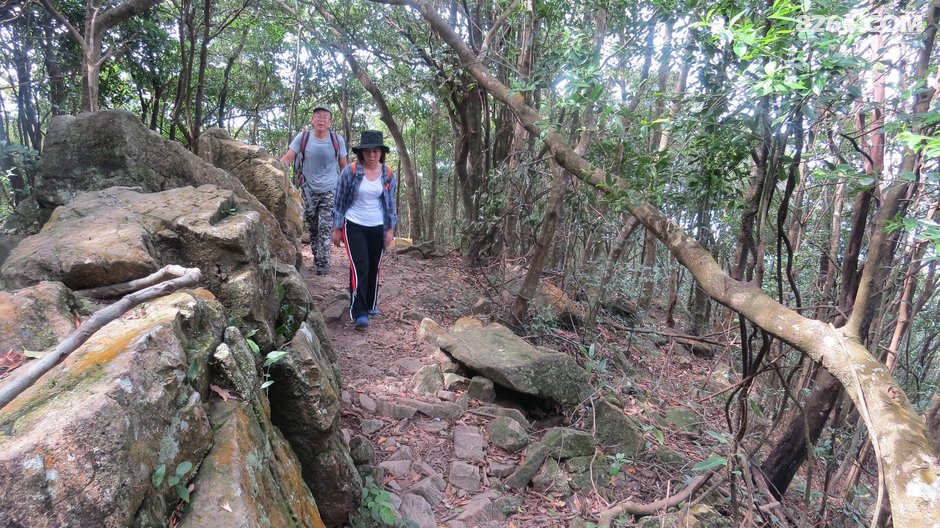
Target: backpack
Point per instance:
(388, 180)
(299, 161)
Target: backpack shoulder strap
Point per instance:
(335, 138)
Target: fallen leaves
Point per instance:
(9, 361)
(223, 393)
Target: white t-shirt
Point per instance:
(366, 209)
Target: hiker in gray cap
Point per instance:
(317, 156)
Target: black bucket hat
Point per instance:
(371, 139)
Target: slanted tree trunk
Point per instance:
(899, 433)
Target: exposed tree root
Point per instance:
(640, 509)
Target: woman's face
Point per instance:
(371, 155)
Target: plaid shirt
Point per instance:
(347, 185)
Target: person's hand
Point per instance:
(338, 237)
(389, 237)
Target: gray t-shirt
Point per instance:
(320, 164)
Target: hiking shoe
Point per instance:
(362, 322)
(374, 312)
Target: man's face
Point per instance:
(321, 120)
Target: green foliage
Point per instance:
(375, 507)
(270, 360)
(616, 463)
(176, 480)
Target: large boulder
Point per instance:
(511, 362)
(80, 446)
(262, 175)
(250, 478)
(117, 234)
(94, 151)
(305, 405)
(36, 318)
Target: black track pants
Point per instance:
(364, 247)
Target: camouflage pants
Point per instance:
(318, 214)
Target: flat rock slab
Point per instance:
(497, 353)
(395, 410)
(415, 508)
(469, 444)
(464, 476)
(507, 434)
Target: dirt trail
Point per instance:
(378, 363)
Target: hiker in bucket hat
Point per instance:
(364, 220)
(317, 156)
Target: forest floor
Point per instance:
(380, 361)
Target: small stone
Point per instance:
(399, 468)
(371, 426)
(566, 443)
(447, 395)
(481, 389)
(361, 450)
(428, 330)
(427, 380)
(366, 402)
(551, 478)
(480, 511)
(468, 443)
(515, 414)
(434, 427)
(402, 453)
(345, 397)
(500, 470)
(446, 362)
(507, 434)
(415, 508)
(454, 382)
(482, 306)
(413, 315)
(466, 323)
(464, 476)
(427, 489)
(395, 410)
(684, 419)
(409, 365)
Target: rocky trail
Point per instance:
(451, 450)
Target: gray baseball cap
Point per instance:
(322, 107)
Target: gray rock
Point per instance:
(482, 306)
(429, 330)
(616, 432)
(96, 150)
(429, 490)
(567, 443)
(441, 411)
(399, 468)
(582, 469)
(394, 410)
(515, 414)
(468, 443)
(413, 315)
(464, 476)
(500, 470)
(507, 434)
(427, 380)
(684, 419)
(551, 479)
(480, 512)
(535, 456)
(508, 360)
(415, 508)
(482, 389)
(367, 403)
(454, 382)
(361, 450)
(402, 453)
(371, 426)
(409, 365)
